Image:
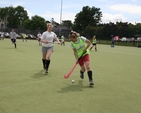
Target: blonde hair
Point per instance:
(49, 24)
(74, 34)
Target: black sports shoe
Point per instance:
(91, 82)
(81, 74)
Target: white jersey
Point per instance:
(49, 37)
(39, 35)
(12, 35)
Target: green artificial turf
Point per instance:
(25, 88)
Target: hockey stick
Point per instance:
(70, 72)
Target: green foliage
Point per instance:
(87, 23)
(90, 31)
(3, 14)
(121, 29)
(36, 22)
(14, 17)
(87, 17)
(26, 24)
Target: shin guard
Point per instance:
(47, 64)
(90, 75)
(44, 63)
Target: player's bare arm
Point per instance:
(88, 45)
(57, 40)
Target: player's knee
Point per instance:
(88, 68)
(83, 69)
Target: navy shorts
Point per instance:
(94, 44)
(13, 40)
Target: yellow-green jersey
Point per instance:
(24, 36)
(80, 45)
(94, 41)
(62, 38)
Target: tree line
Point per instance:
(87, 22)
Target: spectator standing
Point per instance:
(112, 41)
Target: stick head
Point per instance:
(65, 76)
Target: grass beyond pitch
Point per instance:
(25, 88)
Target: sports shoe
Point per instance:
(46, 70)
(91, 82)
(81, 75)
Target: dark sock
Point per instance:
(81, 72)
(90, 75)
(47, 64)
(44, 63)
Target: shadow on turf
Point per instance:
(9, 48)
(40, 74)
(16, 49)
(74, 87)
